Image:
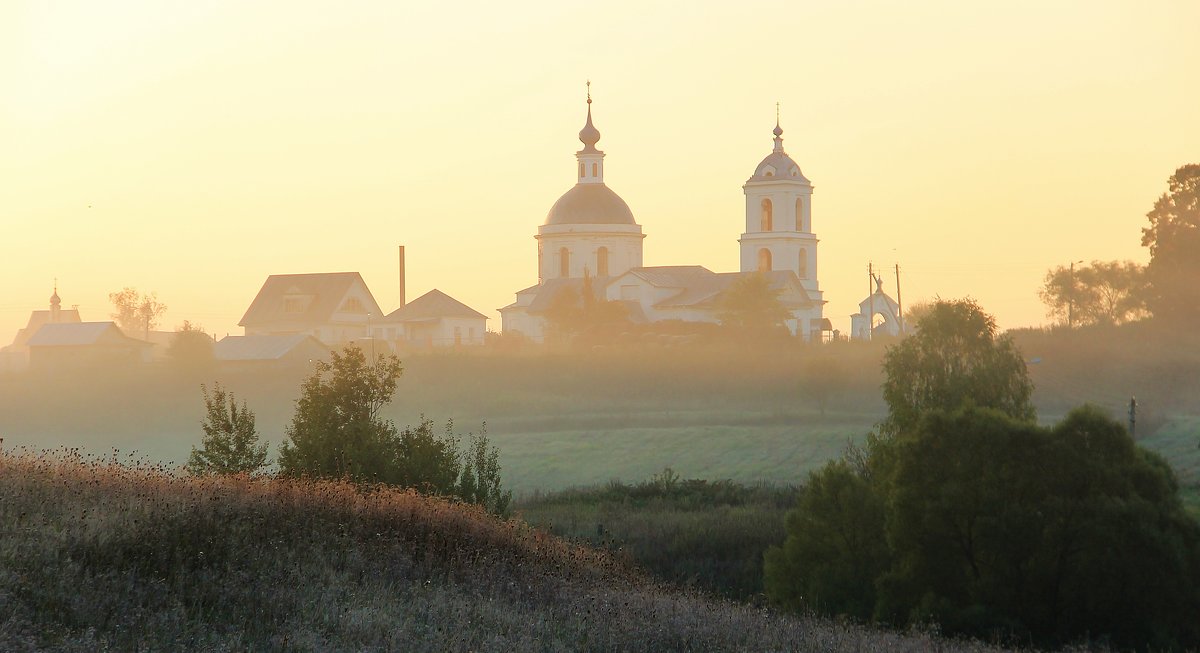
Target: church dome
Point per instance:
(778, 166)
(590, 204)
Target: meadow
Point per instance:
(101, 554)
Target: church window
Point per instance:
(595, 170)
(764, 260)
(799, 214)
(564, 262)
(581, 171)
(803, 263)
(768, 218)
(602, 262)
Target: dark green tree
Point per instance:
(1174, 241)
(425, 460)
(954, 358)
(750, 304)
(191, 350)
(336, 431)
(230, 444)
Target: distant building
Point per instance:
(16, 355)
(862, 325)
(84, 345)
(591, 232)
(294, 350)
(335, 308)
(434, 319)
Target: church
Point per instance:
(590, 232)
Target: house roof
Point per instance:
(260, 348)
(552, 287)
(324, 292)
(432, 305)
(82, 334)
(39, 318)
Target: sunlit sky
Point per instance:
(193, 148)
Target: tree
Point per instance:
(822, 379)
(231, 444)
(480, 479)
(1106, 292)
(136, 313)
(191, 349)
(750, 304)
(1174, 241)
(572, 313)
(336, 431)
(954, 358)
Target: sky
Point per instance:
(190, 149)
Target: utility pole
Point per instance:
(871, 301)
(899, 303)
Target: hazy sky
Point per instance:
(193, 148)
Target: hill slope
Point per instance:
(96, 555)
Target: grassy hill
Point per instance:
(97, 555)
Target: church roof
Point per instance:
(778, 166)
(433, 305)
(322, 294)
(590, 204)
(66, 334)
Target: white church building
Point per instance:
(591, 232)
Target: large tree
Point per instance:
(136, 313)
(1105, 292)
(1174, 241)
(750, 304)
(954, 358)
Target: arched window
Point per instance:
(803, 263)
(564, 262)
(595, 169)
(764, 260)
(799, 214)
(768, 218)
(602, 262)
(581, 171)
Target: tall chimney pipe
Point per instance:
(402, 298)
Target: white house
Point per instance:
(591, 232)
(434, 319)
(333, 307)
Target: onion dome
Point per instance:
(590, 204)
(778, 166)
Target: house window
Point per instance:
(353, 305)
(768, 217)
(458, 335)
(764, 260)
(602, 261)
(803, 264)
(471, 334)
(564, 262)
(293, 305)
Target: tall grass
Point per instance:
(101, 554)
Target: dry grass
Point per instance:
(104, 554)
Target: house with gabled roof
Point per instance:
(435, 319)
(84, 345)
(16, 355)
(333, 307)
(293, 350)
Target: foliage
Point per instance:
(993, 526)
(1174, 241)
(573, 313)
(1105, 292)
(479, 482)
(336, 431)
(955, 357)
(99, 557)
(231, 444)
(137, 314)
(750, 304)
(710, 535)
(191, 349)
